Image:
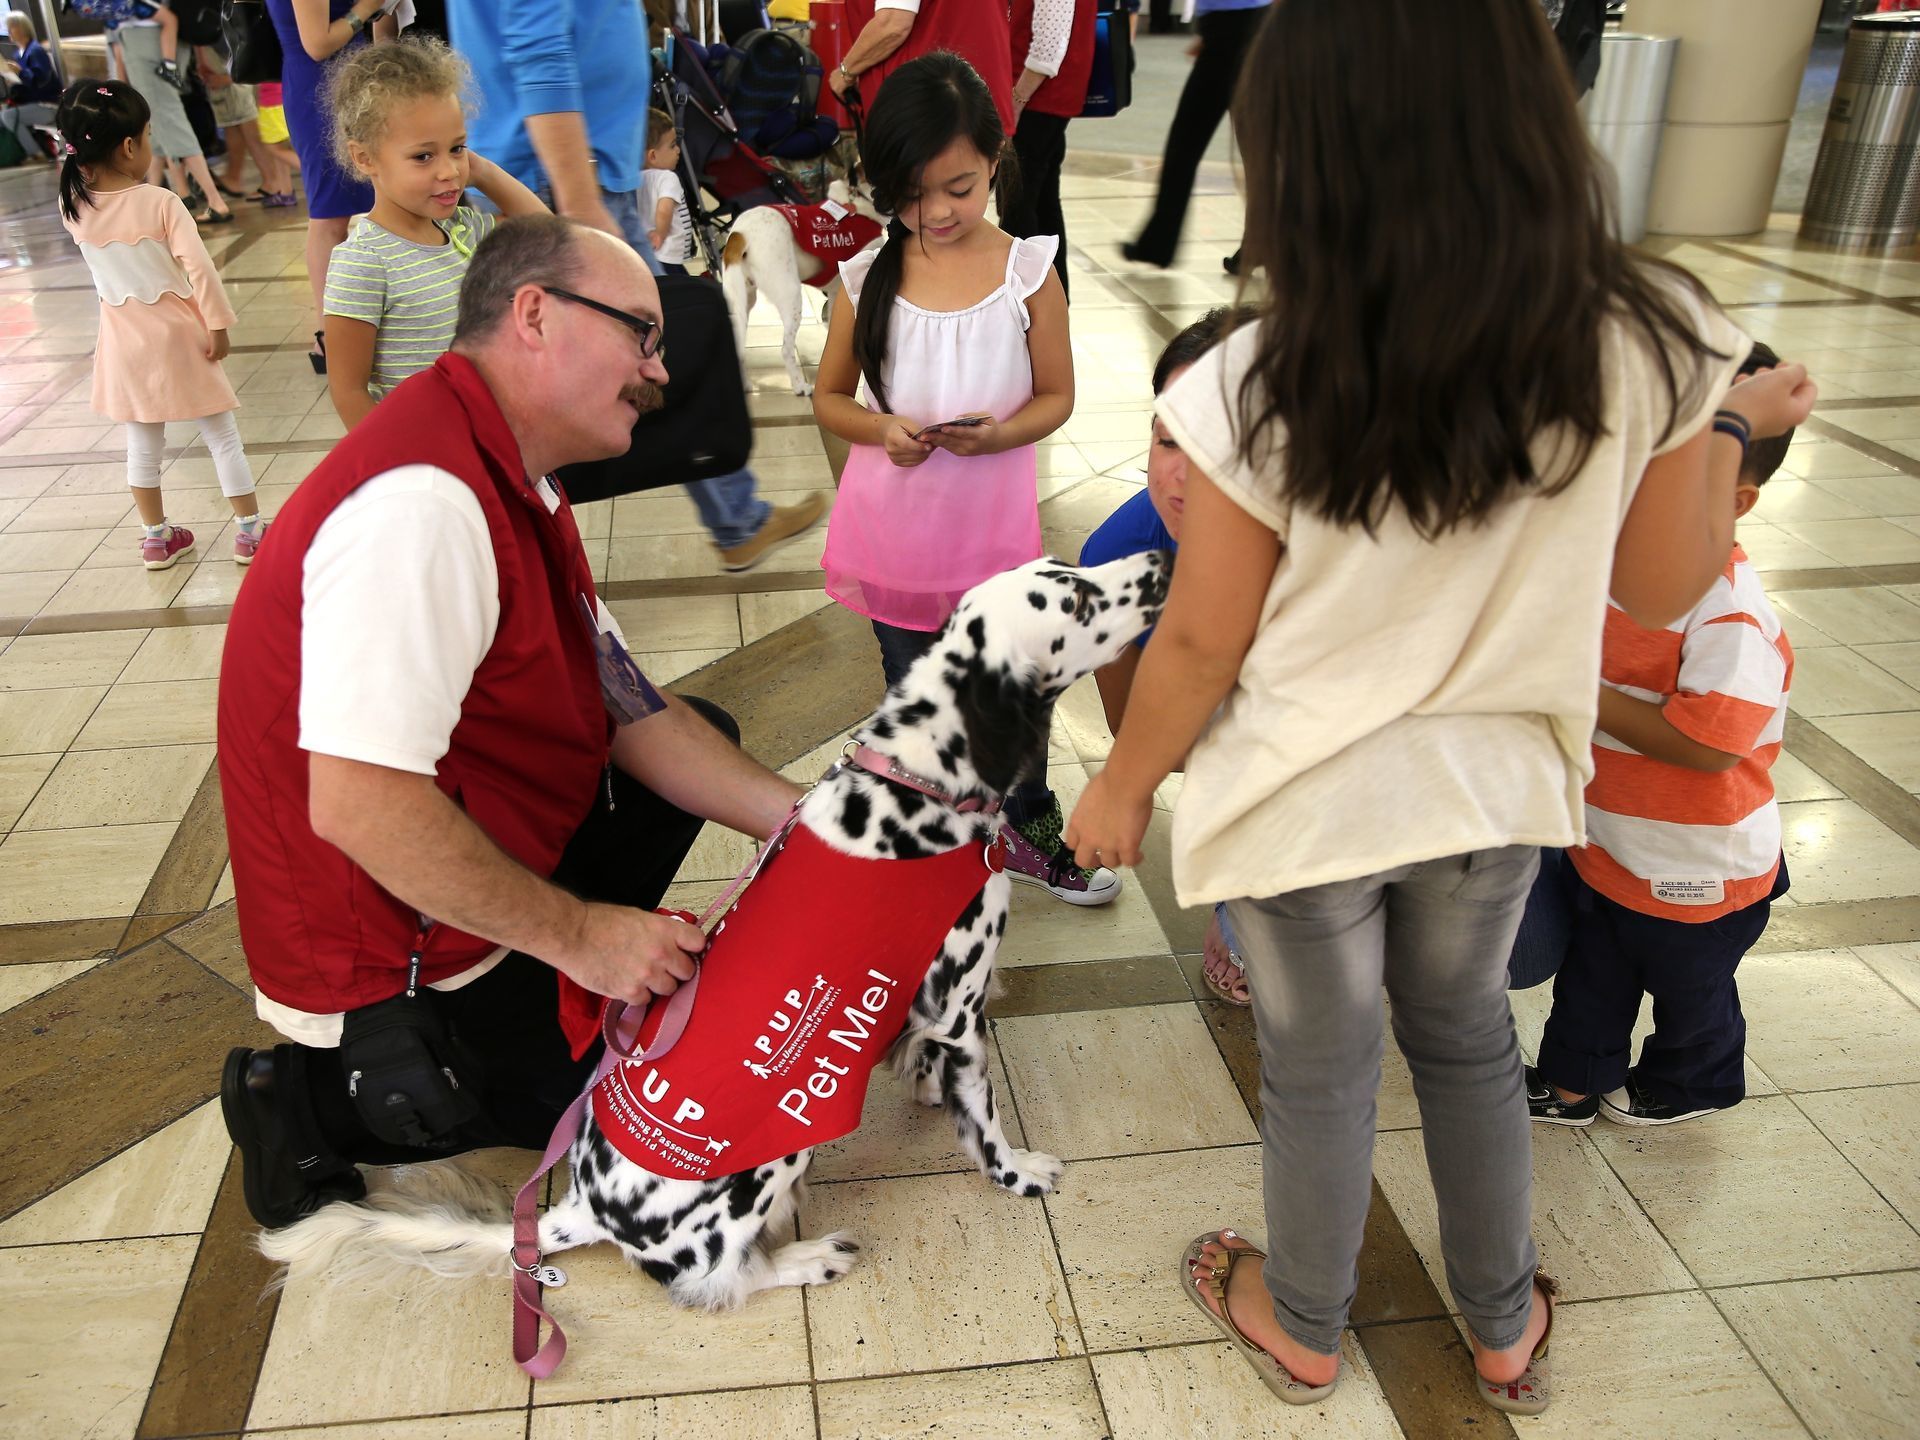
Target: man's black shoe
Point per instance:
(284, 1176)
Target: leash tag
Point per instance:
(551, 1276)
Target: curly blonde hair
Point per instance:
(363, 88)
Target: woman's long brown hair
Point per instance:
(1437, 234)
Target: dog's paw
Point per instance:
(926, 1089)
(816, 1262)
(1029, 1172)
(803, 388)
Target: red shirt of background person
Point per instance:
(1064, 93)
(888, 33)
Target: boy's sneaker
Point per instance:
(1036, 855)
(1545, 1105)
(246, 543)
(170, 72)
(785, 522)
(1630, 1105)
(158, 552)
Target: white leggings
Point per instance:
(147, 439)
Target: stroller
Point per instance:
(714, 160)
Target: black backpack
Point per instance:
(199, 21)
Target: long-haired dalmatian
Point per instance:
(970, 717)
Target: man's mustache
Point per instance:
(645, 397)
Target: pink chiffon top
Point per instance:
(905, 544)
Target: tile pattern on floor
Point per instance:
(1755, 1274)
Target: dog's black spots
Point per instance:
(764, 1204)
(958, 1028)
(978, 948)
(683, 1258)
(1036, 599)
(1105, 605)
(855, 813)
(906, 847)
(659, 1271)
(1100, 637)
(911, 802)
(846, 1247)
(741, 1190)
(1066, 606)
(1032, 1190)
(979, 1022)
(1000, 926)
(971, 915)
(911, 715)
(883, 727)
(562, 1239)
(977, 632)
(1059, 644)
(715, 1244)
(707, 1221)
(956, 657)
(990, 1153)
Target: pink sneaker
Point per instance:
(246, 543)
(1036, 855)
(159, 552)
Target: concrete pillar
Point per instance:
(1735, 85)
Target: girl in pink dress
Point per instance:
(950, 319)
(163, 314)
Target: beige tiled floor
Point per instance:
(1751, 1275)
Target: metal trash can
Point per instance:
(1865, 192)
(1624, 114)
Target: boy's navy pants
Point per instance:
(1614, 956)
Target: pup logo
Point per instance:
(667, 1138)
(797, 1020)
(829, 232)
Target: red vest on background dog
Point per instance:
(830, 233)
(1065, 94)
(320, 934)
(807, 984)
(975, 30)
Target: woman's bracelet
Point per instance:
(1735, 425)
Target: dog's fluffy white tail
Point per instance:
(437, 1217)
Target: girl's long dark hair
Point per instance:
(95, 117)
(923, 107)
(1442, 261)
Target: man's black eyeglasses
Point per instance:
(653, 340)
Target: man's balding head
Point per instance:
(570, 379)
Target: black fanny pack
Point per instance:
(404, 1072)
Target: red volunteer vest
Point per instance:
(807, 984)
(1066, 93)
(830, 233)
(975, 30)
(533, 735)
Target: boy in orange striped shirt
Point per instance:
(1682, 859)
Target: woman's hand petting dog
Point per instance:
(631, 954)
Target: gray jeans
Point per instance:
(1437, 935)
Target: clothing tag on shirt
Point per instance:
(1688, 892)
(549, 495)
(628, 694)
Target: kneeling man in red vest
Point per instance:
(431, 747)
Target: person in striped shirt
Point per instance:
(1682, 860)
(393, 286)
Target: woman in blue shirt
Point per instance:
(33, 86)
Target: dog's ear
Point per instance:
(1005, 720)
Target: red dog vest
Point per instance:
(808, 982)
(830, 233)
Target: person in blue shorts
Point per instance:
(1151, 521)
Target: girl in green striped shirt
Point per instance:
(393, 286)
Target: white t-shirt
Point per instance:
(400, 602)
(658, 185)
(1408, 699)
